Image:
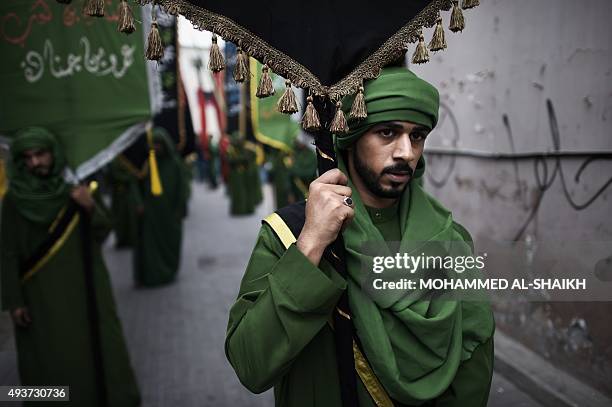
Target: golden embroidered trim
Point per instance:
(369, 379)
(287, 67)
(281, 229)
(57, 219)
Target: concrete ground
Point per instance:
(175, 333)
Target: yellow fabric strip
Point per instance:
(3, 179)
(369, 379)
(281, 229)
(53, 250)
(57, 219)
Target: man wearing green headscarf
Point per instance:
(54, 281)
(410, 347)
(157, 251)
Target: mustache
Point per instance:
(399, 167)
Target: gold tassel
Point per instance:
(338, 124)
(265, 87)
(359, 110)
(457, 22)
(310, 121)
(467, 4)
(438, 42)
(94, 8)
(287, 103)
(155, 47)
(173, 9)
(420, 54)
(156, 185)
(241, 70)
(216, 63)
(126, 18)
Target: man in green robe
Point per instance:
(411, 348)
(122, 183)
(243, 182)
(55, 283)
(160, 217)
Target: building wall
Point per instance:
(532, 77)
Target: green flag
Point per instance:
(270, 126)
(75, 75)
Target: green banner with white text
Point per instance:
(73, 74)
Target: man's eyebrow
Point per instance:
(399, 126)
(390, 125)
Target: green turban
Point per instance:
(38, 199)
(396, 95)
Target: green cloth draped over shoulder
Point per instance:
(38, 199)
(160, 230)
(413, 342)
(56, 348)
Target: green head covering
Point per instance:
(39, 199)
(396, 95)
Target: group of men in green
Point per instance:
(411, 347)
(54, 282)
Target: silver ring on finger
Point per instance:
(348, 201)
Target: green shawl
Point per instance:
(414, 343)
(413, 340)
(38, 199)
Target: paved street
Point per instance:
(176, 333)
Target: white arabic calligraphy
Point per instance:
(99, 63)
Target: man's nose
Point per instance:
(403, 148)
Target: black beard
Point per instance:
(371, 180)
(41, 172)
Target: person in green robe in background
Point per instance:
(254, 154)
(122, 183)
(160, 217)
(243, 180)
(302, 171)
(55, 283)
(416, 349)
(279, 177)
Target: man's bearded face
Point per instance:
(38, 161)
(386, 156)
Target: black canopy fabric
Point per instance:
(326, 46)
